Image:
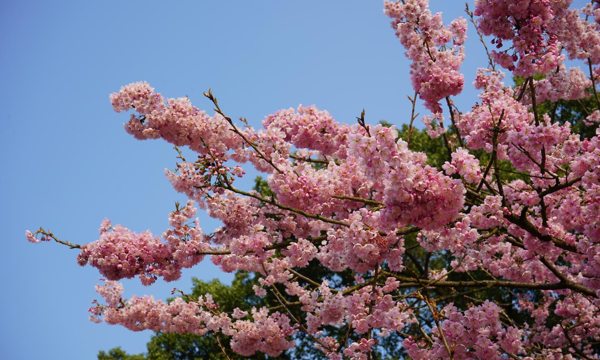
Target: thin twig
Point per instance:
(413, 100)
(63, 242)
(481, 38)
(212, 98)
(593, 83)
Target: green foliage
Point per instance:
(118, 354)
(262, 187)
(419, 141)
(237, 295)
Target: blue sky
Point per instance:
(68, 163)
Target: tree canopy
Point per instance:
(478, 237)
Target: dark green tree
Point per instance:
(118, 354)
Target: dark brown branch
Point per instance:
(526, 153)
(593, 83)
(495, 157)
(485, 173)
(309, 280)
(308, 159)
(524, 224)
(436, 318)
(281, 245)
(285, 207)
(361, 122)
(407, 282)
(359, 199)
(564, 280)
(561, 186)
(453, 119)
(414, 261)
(281, 299)
(523, 88)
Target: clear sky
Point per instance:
(67, 163)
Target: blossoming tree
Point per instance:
(514, 211)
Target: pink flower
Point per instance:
(31, 238)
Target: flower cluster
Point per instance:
(263, 332)
(476, 333)
(121, 253)
(465, 164)
(524, 24)
(434, 68)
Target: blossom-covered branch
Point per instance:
(356, 238)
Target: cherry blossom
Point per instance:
(493, 254)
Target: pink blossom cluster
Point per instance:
(434, 124)
(308, 127)
(359, 247)
(360, 350)
(262, 331)
(578, 36)
(174, 120)
(563, 84)
(524, 24)
(366, 309)
(498, 113)
(464, 164)
(531, 138)
(31, 237)
(121, 253)
(580, 320)
(593, 118)
(475, 334)
(412, 192)
(458, 238)
(434, 68)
